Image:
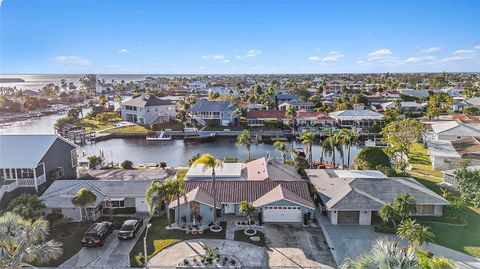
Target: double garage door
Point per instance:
(282, 214)
(348, 217)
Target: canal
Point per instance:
(174, 152)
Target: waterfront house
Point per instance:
(219, 113)
(356, 197)
(314, 119)
(284, 97)
(148, 110)
(276, 189)
(119, 196)
(260, 117)
(419, 94)
(29, 162)
(221, 90)
(453, 91)
(453, 130)
(357, 118)
(445, 154)
(297, 105)
(197, 85)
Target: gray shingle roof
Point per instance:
(148, 101)
(212, 106)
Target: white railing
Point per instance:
(26, 182)
(41, 179)
(8, 188)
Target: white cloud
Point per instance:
(123, 51)
(203, 68)
(477, 47)
(253, 53)
(213, 57)
(362, 62)
(423, 59)
(382, 53)
(226, 61)
(71, 60)
(463, 52)
(430, 50)
(331, 57)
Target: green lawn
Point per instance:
(133, 129)
(159, 238)
(241, 236)
(175, 126)
(94, 125)
(462, 238)
(70, 237)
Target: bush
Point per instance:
(127, 165)
(385, 228)
(370, 158)
(163, 165)
(260, 218)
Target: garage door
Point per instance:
(348, 217)
(282, 214)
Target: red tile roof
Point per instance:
(266, 114)
(237, 191)
(312, 114)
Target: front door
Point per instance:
(229, 208)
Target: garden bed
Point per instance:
(240, 235)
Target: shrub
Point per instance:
(385, 228)
(127, 165)
(370, 158)
(163, 165)
(260, 219)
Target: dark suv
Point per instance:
(130, 228)
(96, 234)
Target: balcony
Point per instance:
(7, 186)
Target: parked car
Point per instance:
(96, 234)
(130, 228)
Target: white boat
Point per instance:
(162, 136)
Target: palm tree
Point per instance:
(176, 187)
(291, 115)
(330, 145)
(308, 138)
(244, 139)
(389, 214)
(210, 162)
(24, 241)
(416, 233)
(248, 209)
(350, 137)
(82, 200)
(280, 146)
(404, 205)
(384, 254)
(157, 193)
(237, 112)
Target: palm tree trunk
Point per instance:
(167, 209)
(348, 158)
(178, 209)
(214, 198)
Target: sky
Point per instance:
(238, 37)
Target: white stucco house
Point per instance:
(148, 110)
(356, 197)
(444, 154)
(453, 130)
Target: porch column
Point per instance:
(44, 174)
(35, 178)
(16, 174)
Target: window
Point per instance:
(27, 173)
(115, 203)
(425, 209)
(74, 157)
(148, 109)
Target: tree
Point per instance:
(389, 214)
(401, 135)
(471, 111)
(330, 145)
(176, 188)
(405, 206)
(28, 206)
(308, 138)
(384, 254)
(370, 158)
(127, 165)
(291, 115)
(24, 241)
(349, 137)
(244, 139)
(192, 159)
(427, 261)
(248, 209)
(158, 193)
(210, 162)
(414, 232)
(281, 147)
(468, 181)
(82, 200)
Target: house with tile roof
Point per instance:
(148, 110)
(29, 162)
(314, 119)
(260, 117)
(276, 189)
(297, 105)
(356, 197)
(357, 118)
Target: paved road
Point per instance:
(114, 254)
(353, 240)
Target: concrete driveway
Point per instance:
(114, 254)
(250, 256)
(293, 246)
(353, 240)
